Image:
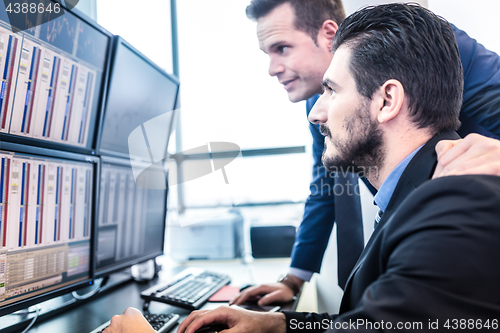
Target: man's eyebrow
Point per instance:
(276, 44)
(327, 83)
(271, 47)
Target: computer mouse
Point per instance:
(245, 286)
(214, 328)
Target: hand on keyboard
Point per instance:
(131, 321)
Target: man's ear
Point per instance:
(327, 32)
(389, 100)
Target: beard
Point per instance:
(363, 149)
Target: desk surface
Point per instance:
(101, 308)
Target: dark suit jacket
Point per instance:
(434, 255)
(480, 113)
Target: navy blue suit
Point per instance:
(480, 114)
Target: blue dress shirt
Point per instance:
(385, 191)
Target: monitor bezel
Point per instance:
(50, 153)
(117, 41)
(92, 140)
(118, 267)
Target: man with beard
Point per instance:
(392, 91)
(297, 36)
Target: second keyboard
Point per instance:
(190, 289)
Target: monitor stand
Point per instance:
(144, 271)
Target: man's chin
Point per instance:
(294, 99)
(334, 163)
(330, 162)
(298, 96)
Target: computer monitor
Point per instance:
(47, 209)
(53, 81)
(141, 98)
(131, 220)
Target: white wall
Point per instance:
(350, 6)
(478, 18)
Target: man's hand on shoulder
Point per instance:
(131, 321)
(475, 154)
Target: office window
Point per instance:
(226, 92)
(478, 19)
(227, 95)
(144, 25)
(257, 180)
(88, 7)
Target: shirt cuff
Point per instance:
(300, 273)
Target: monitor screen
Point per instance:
(140, 100)
(53, 79)
(131, 218)
(46, 214)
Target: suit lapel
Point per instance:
(419, 170)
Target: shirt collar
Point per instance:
(387, 188)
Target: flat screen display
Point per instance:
(140, 100)
(53, 79)
(46, 217)
(131, 219)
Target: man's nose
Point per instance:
(275, 66)
(319, 114)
